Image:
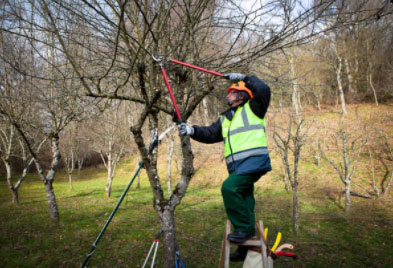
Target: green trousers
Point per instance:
(238, 194)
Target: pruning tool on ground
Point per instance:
(178, 260)
(155, 245)
(276, 251)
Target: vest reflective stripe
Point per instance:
(245, 154)
(244, 136)
(247, 126)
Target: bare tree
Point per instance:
(289, 142)
(338, 71)
(109, 136)
(68, 150)
(318, 140)
(379, 148)
(8, 149)
(349, 149)
(387, 180)
(38, 100)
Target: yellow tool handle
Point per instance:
(278, 239)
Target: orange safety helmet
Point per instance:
(240, 86)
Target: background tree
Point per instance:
(109, 136)
(349, 148)
(68, 149)
(13, 147)
(289, 142)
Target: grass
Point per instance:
(328, 237)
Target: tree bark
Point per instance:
(9, 181)
(49, 179)
(295, 92)
(370, 71)
(70, 180)
(51, 198)
(80, 164)
(14, 190)
(167, 222)
(15, 196)
(340, 87)
(295, 209)
(108, 188)
(351, 90)
(373, 88)
(339, 80)
(347, 196)
(286, 182)
(69, 161)
(386, 188)
(170, 146)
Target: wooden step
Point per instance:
(254, 242)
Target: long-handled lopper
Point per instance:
(155, 141)
(178, 260)
(160, 60)
(155, 246)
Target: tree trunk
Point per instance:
(295, 209)
(80, 164)
(318, 102)
(205, 111)
(15, 196)
(340, 88)
(373, 88)
(351, 90)
(50, 197)
(295, 92)
(370, 70)
(347, 196)
(170, 145)
(286, 182)
(71, 169)
(339, 81)
(138, 185)
(108, 187)
(50, 177)
(280, 101)
(13, 190)
(386, 189)
(372, 169)
(167, 221)
(70, 180)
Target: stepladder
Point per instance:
(259, 254)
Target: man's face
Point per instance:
(233, 98)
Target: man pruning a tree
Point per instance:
(242, 128)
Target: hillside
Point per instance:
(328, 237)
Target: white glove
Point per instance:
(185, 129)
(234, 77)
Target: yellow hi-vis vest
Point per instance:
(245, 142)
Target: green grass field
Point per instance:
(328, 237)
